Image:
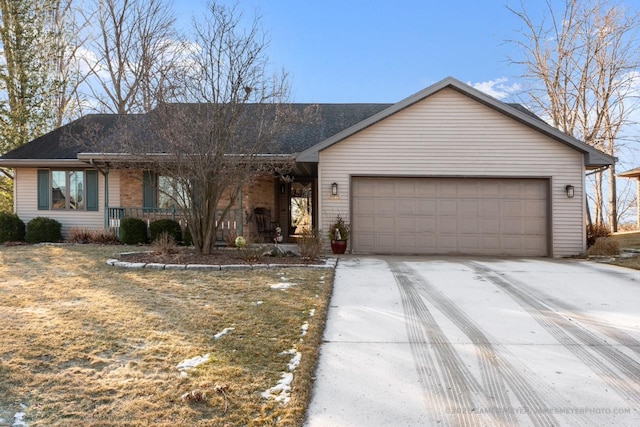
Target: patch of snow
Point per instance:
(304, 328)
(312, 312)
(222, 333)
(295, 360)
(282, 285)
(257, 303)
(281, 392)
(18, 420)
(193, 362)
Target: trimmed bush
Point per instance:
(43, 229)
(133, 231)
(11, 228)
(169, 226)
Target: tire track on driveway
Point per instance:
(449, 384)
(494, 367)
(616, 369)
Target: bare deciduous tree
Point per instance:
(581, 66)
(135, 43)
(212, 134)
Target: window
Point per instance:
(68, 190)
(160, 191)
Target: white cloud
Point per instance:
(498, 88)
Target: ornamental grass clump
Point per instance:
(164, 244)
(310, 245)
(604, 246)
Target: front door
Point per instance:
(300, 208)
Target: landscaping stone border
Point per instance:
(330, 263)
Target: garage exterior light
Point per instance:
(570, 189)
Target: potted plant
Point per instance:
(339, 235)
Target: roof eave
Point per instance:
(36, 163)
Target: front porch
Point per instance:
(228, 230)
(263, 205)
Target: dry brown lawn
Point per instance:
(85, 344)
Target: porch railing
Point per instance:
(228, 228)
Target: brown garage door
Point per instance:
(450, 216)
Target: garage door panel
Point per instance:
(511, 226)
(469, 243)
(367, 223)
(447, 225)
(426, 207)
(533, 208)
(426, 188)
(426, 224)
(385, 188)
(385, 207)
(450, 215)
(406, 225)
(511, 208)
(532, 226)
(385, 225)
(406, 207)
(447, 207)
(470, 207)
(448, 189)
(406, 241)
(469, 226)
(468, 190)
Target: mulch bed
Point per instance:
(222, 256)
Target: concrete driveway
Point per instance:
(458, 341)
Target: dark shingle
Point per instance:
(104, 132)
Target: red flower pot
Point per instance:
(338, 246)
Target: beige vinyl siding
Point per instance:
(451, 135)
(26, 201)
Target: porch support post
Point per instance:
(106, 196)
(105, 173)
(638, 203)
(239, 216)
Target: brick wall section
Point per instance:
(258, 194)
(131, 188)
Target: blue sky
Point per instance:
(384, 51)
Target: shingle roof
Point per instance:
(64, 142)
(102, 132)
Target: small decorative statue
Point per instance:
(277, 238)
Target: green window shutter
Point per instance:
(148, 189)
(91, 181)
(44, 189)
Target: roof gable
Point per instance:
(593, 157)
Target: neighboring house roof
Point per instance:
(593, 157)
(631, 173)
(67, 144)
